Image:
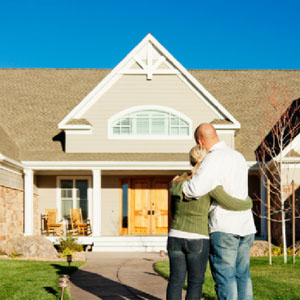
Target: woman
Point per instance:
(188, 239)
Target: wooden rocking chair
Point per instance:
(78, 226)
(51, 224)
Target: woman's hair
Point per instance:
(197, 154)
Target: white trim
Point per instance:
(97, 202)
(28, 202)
(115, 75)
(137, 108)
(253, 165)
(108, 165)
(10, 170)
(292, 146)
(10, 161)
(73, 178)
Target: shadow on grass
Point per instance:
(102, 287)
(51, 290)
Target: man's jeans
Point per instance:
(187, 255)
(229, 261)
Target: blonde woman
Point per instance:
(188, 239)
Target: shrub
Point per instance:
(278, 251)
(69, 245)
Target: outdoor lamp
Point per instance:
(69, 259)
(63, 283)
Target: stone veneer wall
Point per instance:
(12, 213)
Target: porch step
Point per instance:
(122, 243)
(130, 244)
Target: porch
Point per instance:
(121, 243)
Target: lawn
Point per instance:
(32, 280)
(275, 282)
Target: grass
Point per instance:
(33, 280)
(275, 282)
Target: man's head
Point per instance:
(206, 135)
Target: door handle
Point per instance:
(153, 212)
(149, 212)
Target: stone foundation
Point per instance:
(11, 212)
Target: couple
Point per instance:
(211, 188)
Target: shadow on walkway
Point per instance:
(103, 287)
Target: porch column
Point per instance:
(28, 202)
(96, 202)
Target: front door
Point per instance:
(148, 205)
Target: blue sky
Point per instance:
(216, 34)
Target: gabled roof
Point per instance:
(149, 57)
(7, 146)
(33, 101)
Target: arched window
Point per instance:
(150, 122)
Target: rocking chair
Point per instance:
(50, 221)
(78, 226)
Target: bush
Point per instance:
(278, 251)
(68, 245)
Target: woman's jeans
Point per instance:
(229, 262)
(191, 256)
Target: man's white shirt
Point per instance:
(226, 167)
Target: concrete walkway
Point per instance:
(116, 276)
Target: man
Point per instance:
(231, 232)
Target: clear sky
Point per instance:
(201, 34)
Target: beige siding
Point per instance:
(110, 205)
(47, 192)
(134, 90)
(11, 180)
(228, 138)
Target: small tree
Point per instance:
(282, 117)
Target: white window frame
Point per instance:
(73, 178)
(158, 108)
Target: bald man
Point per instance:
(231, 232)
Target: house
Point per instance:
(109, 141)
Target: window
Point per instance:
(74, 194)
(144, 122)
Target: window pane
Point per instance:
(183, 123)
(65, 208)
(116, 130)
(174, 131)
(125, 121)
(158, 114)
(158, 127)
(125, 130)
(82, 198)
(184, 131)
(142, 126)
(174, 121)
(66, 184)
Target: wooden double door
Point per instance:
(148, 207)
